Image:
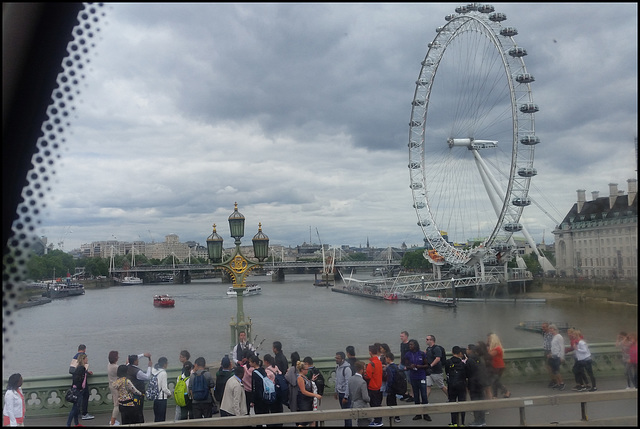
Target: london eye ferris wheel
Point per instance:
(472, 138)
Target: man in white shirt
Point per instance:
(557, 356)
(242, 350)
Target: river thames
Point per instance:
(311, 320)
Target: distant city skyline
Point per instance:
(186, 109)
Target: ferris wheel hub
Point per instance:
(472, 143)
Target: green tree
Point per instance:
(358, 256)
(95, 266)
(415, 260)
(55, 263)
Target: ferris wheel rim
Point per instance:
(523, 137)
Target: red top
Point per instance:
(633, 353)
(497, 355)
(373, 374)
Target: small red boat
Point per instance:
(163, 301)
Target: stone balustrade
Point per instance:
(45, 395)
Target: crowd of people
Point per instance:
(245, 382)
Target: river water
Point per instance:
(311, 320)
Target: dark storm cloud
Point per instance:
(300, 113)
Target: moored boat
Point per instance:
(131, 280)
(438, 302)
(394, 296)
(163, 301)
(252, 289)
(63, 290)
(536, 326)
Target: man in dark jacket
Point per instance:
(456, 371)
(281, 359)
(478, 381)
(138, 377)
(222, 376)
(202, 406)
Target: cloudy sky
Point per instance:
(299, 112)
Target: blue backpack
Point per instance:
(268, 389)
(282, 389)
(199, 387)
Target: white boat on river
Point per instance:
(252, 289)
(129, 281)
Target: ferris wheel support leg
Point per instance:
(489, 182)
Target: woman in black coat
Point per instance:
(80, 383)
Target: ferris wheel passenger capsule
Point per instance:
(517, 52)
(486, 8)
(508, 32)
(527, 172)
(497, 17)
(525, 78)
(513, 227)
(530, 140)
(529, 108)
(521, 202)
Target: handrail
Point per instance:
(45, 395)
(403, 410)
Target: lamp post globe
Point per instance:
(236, 225)
(214, 246)
(260, 244)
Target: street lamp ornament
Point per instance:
(237, 266)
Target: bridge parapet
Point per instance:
(45, 395)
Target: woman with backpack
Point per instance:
(126, 390)
(259, 376)
(181, 393)
(159, 390)
(272, 371)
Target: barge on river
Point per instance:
(536, 326)
(63, 290)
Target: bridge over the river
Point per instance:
(184, 270)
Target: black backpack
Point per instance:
(399, 383)
(282, 389)
(444, 354)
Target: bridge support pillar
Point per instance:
(277, 276)
(183, 277)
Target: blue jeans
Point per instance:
(419, 388)
(75, 410)
(347, 422)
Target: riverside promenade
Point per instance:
(623, 412)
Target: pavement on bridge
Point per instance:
(599, 413)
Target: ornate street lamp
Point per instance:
(237, 265)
